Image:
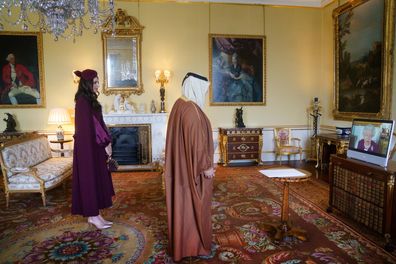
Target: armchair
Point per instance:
(285, 144)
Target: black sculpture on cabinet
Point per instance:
(239, 117)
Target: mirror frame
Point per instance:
(125, 27)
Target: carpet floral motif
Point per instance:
(320, 255)
(73, 246)
(246, 208)
(76, 243)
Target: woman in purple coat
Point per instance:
(367, 143)
(92, 183)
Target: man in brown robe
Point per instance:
(189, 172)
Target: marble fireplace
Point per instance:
(139, 138)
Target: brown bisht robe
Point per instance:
(188, 152)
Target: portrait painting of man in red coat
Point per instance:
(20, 83)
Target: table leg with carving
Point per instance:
(259, 161)
(221, 160)
(318, 153)
(224, 144)
(342, 147)
(285, 229)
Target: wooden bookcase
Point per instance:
(240, 144)
(365, 193)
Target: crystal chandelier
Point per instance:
(61, 18)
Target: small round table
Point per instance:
(285, 229)
(61, 142)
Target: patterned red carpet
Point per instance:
(245, 210)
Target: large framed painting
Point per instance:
(22, 70)
(364, 32)
(237, 69)
(122, 56)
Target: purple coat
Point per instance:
(92, 184)
(373, 147)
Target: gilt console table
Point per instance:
(322, 140)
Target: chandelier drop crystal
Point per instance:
(61, 18)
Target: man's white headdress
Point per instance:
(195, 88)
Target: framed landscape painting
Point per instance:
(22, 71)
(237, 69)
(364, 32)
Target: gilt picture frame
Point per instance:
(363, 39)
(237, 70)
(22, 70)
(122, 56)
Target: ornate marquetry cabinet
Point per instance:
(364, 193)
(240, 144)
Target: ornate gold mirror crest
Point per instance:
(122, 56)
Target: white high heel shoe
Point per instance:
(105, 221)
(97, 224)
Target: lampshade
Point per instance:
(167, 74)
(162, 76)
(59, 116)
(157, 74)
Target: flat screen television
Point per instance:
(370, 140)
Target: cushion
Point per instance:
(52, 171)
(289, 149)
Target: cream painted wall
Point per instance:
(176, 38)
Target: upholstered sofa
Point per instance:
(28, 166)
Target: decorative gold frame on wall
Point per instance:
(18, 46)
(263, 65)
(387, 62)
(126, 28)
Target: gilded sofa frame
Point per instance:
(32, 171)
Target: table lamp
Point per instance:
(59, 116)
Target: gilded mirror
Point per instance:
(122, 56)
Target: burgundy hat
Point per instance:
(87, 74)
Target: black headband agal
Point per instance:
(194, 75)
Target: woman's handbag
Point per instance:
(112, 165)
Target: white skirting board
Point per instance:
(159, 121)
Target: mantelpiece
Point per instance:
(157, 122)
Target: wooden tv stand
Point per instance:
(365, 193)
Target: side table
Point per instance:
(286, 176)
(61, 142)
(341, 146)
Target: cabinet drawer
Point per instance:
(241, 148)
(243, 138)
(236, 156)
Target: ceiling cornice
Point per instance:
(301, 3)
